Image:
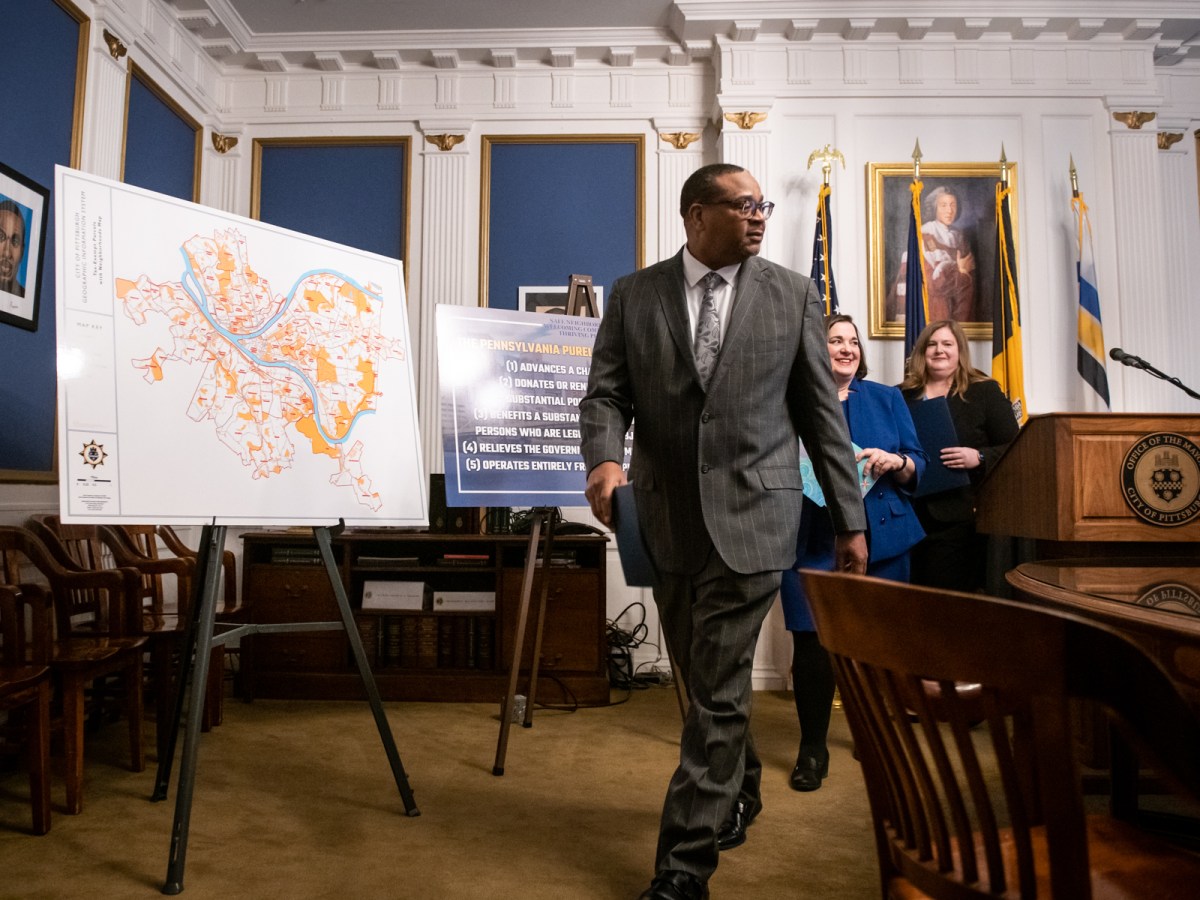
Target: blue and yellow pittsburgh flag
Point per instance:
(1090, 352)
(916, 293)
(822, 257)
(1008, 360)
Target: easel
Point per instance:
(199, 635)
(581, 300)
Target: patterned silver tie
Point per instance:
(708, 329)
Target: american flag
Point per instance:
(822, 256)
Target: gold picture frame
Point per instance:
(969, 300)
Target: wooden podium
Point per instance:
(1068, 481)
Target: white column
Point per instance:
(1181, 300)
(104, 109)
(1141, 261)
(219, 175)
(675, 164)
(446, 245)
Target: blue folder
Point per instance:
(935, 430)
(631, 546)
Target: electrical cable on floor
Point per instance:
(622, 643)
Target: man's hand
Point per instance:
(600, 484)
(850, 552)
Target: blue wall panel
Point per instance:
(43, 39)
(560, 208)
(160, 145)
(352, 194)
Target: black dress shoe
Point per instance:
(733, 832)
(810, 770)
(675, 885)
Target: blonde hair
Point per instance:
(964, 376)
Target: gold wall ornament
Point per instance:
(1167, 139)
(680, 139)
(445, 141)
(223, 143)
(115, 48)
(746, 120)
(1133, 119)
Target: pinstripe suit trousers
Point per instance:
(711, 620)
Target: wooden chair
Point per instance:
(949, 824)
(95, 636)
(142, 543)
(25, 689)
(96, 547)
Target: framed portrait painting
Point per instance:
(958, 240)
(23, 213)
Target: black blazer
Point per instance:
(984, 420)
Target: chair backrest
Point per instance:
(950, 819)
(24, 627)
(99, 602)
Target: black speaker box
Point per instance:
(449, 519)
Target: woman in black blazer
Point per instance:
(953, 555)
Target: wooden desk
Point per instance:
(1156, 604)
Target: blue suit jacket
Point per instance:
(879, 417)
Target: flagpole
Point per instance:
(822, 264)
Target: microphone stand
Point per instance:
(1137, 362)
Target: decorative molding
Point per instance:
(223, 143)
(680, 139)
(1167, 139)
(116, 49)
(746, 120)
(1134, 120)
(445, 141)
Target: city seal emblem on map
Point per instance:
(93, 454)
(1160, 479)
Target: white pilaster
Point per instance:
(750, 149)
(104, 111)
(675, 164)
(219, 184)
(1180, 300)
(445, 246)
(1142, 278)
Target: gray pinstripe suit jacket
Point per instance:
(722, 465)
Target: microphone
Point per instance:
(1127, 359)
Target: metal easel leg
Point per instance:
(324, 536)
(212, 543)
(539, 626)
(514, 669)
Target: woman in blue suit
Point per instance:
(881, 424)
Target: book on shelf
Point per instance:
(464, 559)
(295, 556)
(387, 562)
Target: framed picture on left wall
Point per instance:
(24, 209)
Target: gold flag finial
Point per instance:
(916, 158)
(1003, 166)
(827, 155)
(1074, 177)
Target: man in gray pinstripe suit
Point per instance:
(716, 476)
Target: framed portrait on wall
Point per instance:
(23, 214)
(958, 239)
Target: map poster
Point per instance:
(216, 369)
(511, 383)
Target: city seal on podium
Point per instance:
(1160, 479)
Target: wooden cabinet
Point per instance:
(439, 652)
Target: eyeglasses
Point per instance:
(746, 206)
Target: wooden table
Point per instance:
(1156, 604)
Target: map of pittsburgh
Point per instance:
(307, 361)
